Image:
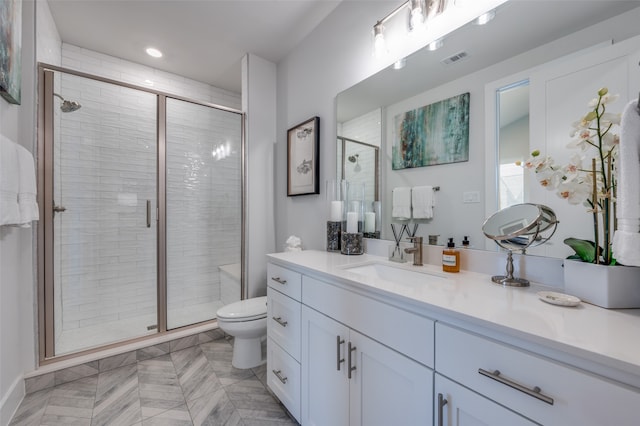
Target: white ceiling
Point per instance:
(201, 39)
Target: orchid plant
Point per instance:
(590, 176)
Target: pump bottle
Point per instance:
(451, 258)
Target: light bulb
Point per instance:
(434, 45)
(151, 51)
(379, 43)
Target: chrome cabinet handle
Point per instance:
(279, 321)
(278, 374)
(338, 359)
(441, 403)
(148, 213)
(279, 280)
(536, 392)
(351, 367)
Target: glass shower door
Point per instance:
(104, 162)
(204, 210)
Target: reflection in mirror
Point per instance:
(517, 228)
(358, 160)
(513, 141)
(470, 62)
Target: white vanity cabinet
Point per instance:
(540, 389)
(283, 336)
(350, 379)
(456, 405)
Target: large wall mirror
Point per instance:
(529, 74)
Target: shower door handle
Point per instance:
(58, 209)
(148, 213)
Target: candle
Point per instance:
(336, 211)
(369, 222)
(352, 222)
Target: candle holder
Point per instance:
(334, 193)
(372, 220)
(353, 219)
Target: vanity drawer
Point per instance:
(410, 334)
(283, 321)
(284, 280)
(283, 377)
(575, 397)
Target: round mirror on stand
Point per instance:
(519, 227)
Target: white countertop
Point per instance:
(608, 337)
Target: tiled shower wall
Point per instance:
(108, 269)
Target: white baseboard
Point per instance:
(11, 400)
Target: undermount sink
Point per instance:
(403, 275)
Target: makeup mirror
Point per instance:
(516, 228)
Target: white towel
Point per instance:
(27, 188)
(422, 202)
(401, 205)
(9, 182)
(626, 240)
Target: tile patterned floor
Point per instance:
(192, 386)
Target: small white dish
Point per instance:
(560, 299)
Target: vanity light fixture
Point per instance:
(152, 51)
(427, 23)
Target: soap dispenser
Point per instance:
(451, 258)
(465, 242)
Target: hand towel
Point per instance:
(27, 188)
(401, 204)
(422, 201)
(9, 182)
(626, 240)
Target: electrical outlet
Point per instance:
(471, 197)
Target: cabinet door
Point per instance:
(462, 407)
(325, 387)
(387, 388)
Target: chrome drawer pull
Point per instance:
(279, 280)
(441, 403)
(338, 359)
(279, 321)
(535, 392)
(278, 374)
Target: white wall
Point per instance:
(259, 103)
(17, 286)
(335, 56)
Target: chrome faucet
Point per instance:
(416, 250)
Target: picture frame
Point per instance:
(303, 158)
(431, 135)
(10, 50)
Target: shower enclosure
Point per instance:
(141, 208)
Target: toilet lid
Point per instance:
(244, 310)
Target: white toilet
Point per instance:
(246, 321)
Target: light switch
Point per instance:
(471, 197)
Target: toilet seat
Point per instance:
(244, 310)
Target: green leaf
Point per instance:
(585, 250)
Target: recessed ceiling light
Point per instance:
(485, 18)
(154, 52)
(400, 63)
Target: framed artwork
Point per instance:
(303, 157)
(10, 50)
(434, 134)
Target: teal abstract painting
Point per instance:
(434, 134)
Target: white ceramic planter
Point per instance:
(606, 286)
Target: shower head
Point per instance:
(68, 106)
